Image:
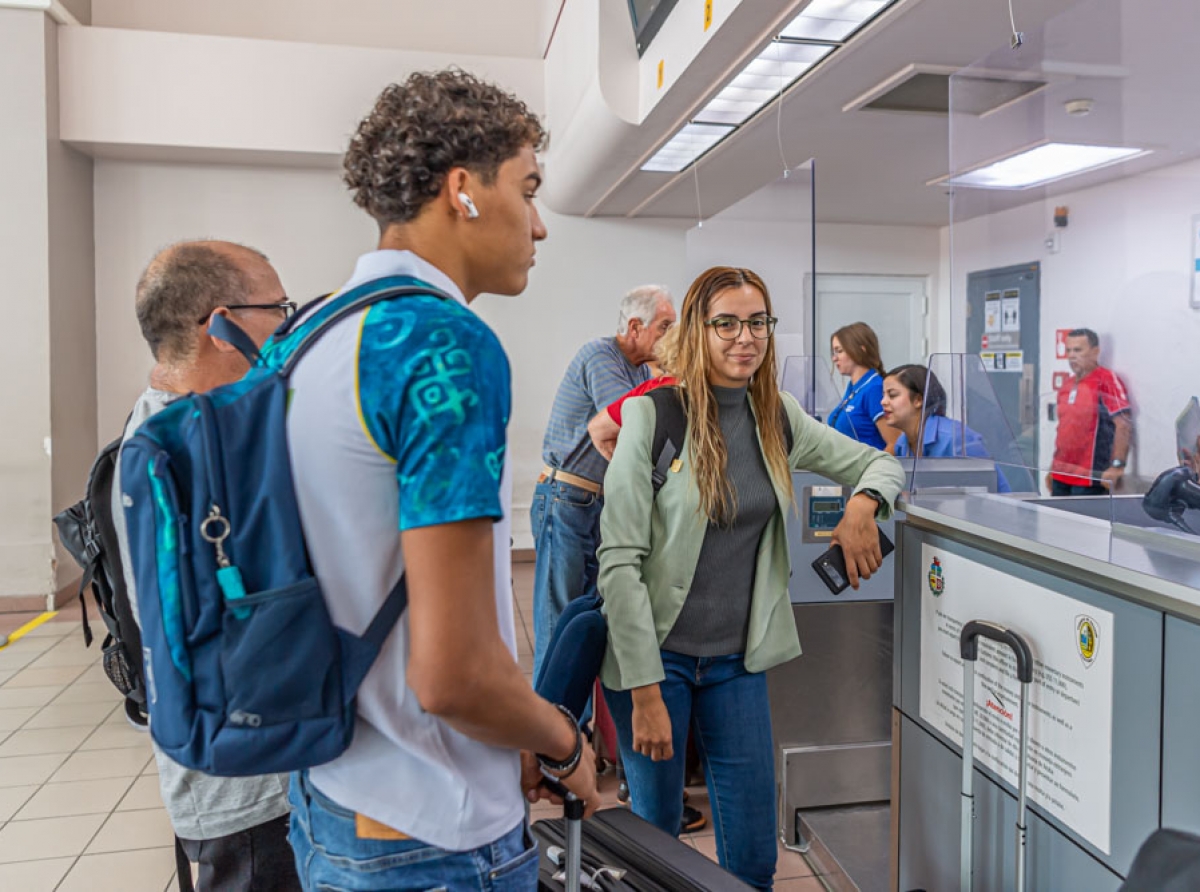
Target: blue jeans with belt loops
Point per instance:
(566, 533)
(331, 858)
(727, 710)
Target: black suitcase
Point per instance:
(619, 851)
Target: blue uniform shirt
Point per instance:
(946, 438)
(861, 407)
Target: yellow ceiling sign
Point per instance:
(707, 14)
(660, 73)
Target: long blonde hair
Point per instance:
(684, 350)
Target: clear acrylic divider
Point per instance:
(1074, 272)
(810, 380)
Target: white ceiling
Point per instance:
(1135, 57)
(518, 28)
(871, 166)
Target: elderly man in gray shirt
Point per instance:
(565, 514)
(234, 828)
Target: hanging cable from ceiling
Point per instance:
(779, 117)
(699, 212)
(1018, 37)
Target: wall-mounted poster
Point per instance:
(992, 323)
(1010, 311)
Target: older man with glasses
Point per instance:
(235, 828)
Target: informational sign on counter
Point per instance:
(1071, 698)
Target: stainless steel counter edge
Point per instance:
(951, 516)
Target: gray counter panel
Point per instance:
(1181, 727)
(1137, 685)
(929, 856)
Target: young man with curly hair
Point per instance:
(397, 435)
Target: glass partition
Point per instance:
(770, 232)
(1074, 255)
(810, 380)
(956, 422)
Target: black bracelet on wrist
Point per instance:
(566, 768)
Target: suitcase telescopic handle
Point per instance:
(976, 629)
(573, 808)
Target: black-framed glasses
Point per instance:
(287, 307)
(729, 328)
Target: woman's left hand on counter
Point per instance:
(859, 538)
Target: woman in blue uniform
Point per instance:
(914, 405)
(859, 415)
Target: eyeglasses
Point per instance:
(729, 328)
(287, 307)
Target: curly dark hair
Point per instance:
(418, 130)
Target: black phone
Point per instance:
(831, 565)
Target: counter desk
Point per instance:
(1109, 602)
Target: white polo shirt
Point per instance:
(398, 420)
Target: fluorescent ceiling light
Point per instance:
(760, 81)
(686, 146)
(1044, 164)
(832, 19)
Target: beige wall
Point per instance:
(26, 552)
(305, 222)
(72, 312)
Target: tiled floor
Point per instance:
(79, 803)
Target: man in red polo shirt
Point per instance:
(1094, 423)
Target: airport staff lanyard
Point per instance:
(855, 390)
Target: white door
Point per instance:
(896, 308)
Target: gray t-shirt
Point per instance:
(200, 806)
(716, 612)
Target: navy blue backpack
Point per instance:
(245, 671)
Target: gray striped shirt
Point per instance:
(597, 376)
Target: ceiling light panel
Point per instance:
(833, 19)
(686, 146)
(1045, 164)
(760, 81)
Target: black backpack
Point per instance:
(670, 427)
(86, 530)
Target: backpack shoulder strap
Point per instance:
(785, 419)
(347, 304)
(670, 428)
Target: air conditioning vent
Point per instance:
(925, 89)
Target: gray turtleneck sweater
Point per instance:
(716, 613)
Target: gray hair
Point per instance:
(641, 303)
(184, 283)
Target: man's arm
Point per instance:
(604, 431)
(1122, 436)
(458, 665)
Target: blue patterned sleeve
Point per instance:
(434, 390)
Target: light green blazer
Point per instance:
(650, 546)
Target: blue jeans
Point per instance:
(727, 710)
(566, 533)
(331, 858)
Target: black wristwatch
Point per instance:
(566, 768)
(872, 494)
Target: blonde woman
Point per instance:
(694, 577)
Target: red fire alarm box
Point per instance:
(1060, 380)
(1060, 343)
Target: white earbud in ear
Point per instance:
(472, 211)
